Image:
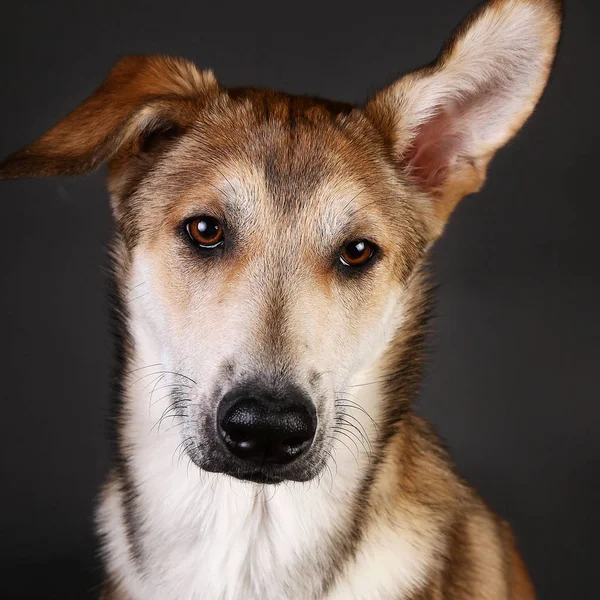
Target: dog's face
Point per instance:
(271, 239)
(271, 248)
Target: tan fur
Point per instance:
(294, 179)
(521, 585)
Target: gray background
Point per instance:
(511, 383)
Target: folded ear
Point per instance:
(142, 97)
(445, 121)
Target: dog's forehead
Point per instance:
(296, 154)
(278, 167)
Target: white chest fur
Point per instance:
(207, 536)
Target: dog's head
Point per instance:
(272, 238)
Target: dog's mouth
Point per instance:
(301, 470)
(263, 476)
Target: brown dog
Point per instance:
(270, 306)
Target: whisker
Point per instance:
(348, 447)
(362, 437)
(330, 454)
(175, 385)
(186, 441)
(329, 468)
(165, 414)
(159, 399)
(384, 379)
(135, 287)
(347, 403)
(142, 368)
(180, 375)
(183, 416)
(362, 430)
(184, 451)
(129, 300)
(330, 478)
(160, 421)
(154, 381)
(165, 373)
(343, 431)
(147, 375)
(152, 392)
(166, 396)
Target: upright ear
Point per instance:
(141, 96)
(445, 122)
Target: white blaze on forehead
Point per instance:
(339, 203)
(342, 207)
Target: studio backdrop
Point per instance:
(514, 349)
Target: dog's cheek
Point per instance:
(369, 322)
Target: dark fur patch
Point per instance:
(123, 346)
(458, 571)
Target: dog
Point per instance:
(270, 304)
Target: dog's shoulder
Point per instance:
(474, 554)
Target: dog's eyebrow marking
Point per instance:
(225, 178)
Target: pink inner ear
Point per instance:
(435, 149)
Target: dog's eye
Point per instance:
(357, 253)
(205, 231)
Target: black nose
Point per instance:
(262, 426)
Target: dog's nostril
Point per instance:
(264, 428)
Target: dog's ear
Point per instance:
(143, 100)
(444, 122)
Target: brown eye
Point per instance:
(357, 253)
(205, 231)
